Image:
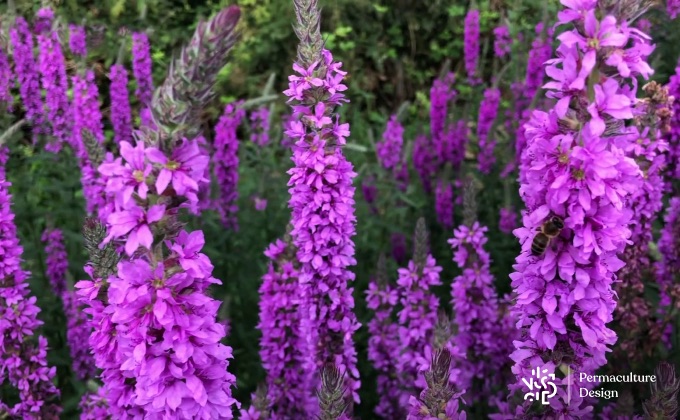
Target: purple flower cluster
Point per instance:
(52, 68)
(441, 94)
(575, 168)
(22, 360)
(225, 163)
(502, 43)
(282, 343)
(77, 41)
(390, 148)
(483, 335)
(507, 220)
(487, 114)
(424, 160)
(417, 317)
(322, 204)
(121, 114)
(383, 346)
(471, 45)
(673, 136)
(443, 203)
(6, 79)
(27, 75)
(673, 8)
(141, 67)
(668, 268)
(93, 406)
(259, 120)
(77, 328)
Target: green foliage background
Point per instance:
(392, 51)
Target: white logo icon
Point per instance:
(540, 388)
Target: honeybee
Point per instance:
(549, 230)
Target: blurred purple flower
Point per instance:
(121, 114)
(471, 45)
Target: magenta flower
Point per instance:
(226, 162)
(471, 45)
(6, 80)
(502, 43)
(443, 203)
(389, 149)
(184, 169)
(673, 8)
(124, 180)
(488, 109)
(134, 222)
(77, 41)
(260, 126)
(507, 220)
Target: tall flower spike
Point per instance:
(673, 135)
(287, 379)
(6, 78)
(27, 76)
(141, 67)
(576, 177)
(471, 45)
(663, 404)
(322, 202)
(23, 356)
(121, 114)
(179, 101)
(383, 341)
(225, 164)
(418, 315)
(487, 114)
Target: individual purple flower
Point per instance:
(502, 43)
(6, 80)
(482, 335)
(418, 315)
(23, 354)
(121, 114)
(183, 170)
(383, 343)
(260, 203)
(471, 45)
(27, 76)
(77, 41)
(141, 67)
(225, 162)
(127, 175)
(283, 359)
(52, 66)
(443, 203)
(133, 223)
(487, 114)
(507, 220)
(322, 205)
(389, 148)
(259, 120)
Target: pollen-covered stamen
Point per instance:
(172, 165)
(138, 175)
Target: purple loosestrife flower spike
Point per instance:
(77, 41)
(52, 66)
(93, 406)
(471, 45)
(383, 341)
(27, 76)
(188, 88)
(443, 203)
(6, 79)
(389, 148)
(322, 202)
(260, 126)
(121, 114)
(141, 67)
(673, 8)
(418, 315)
(441, 93)
(439, 399)
(663, 403)
(487, 114)
(225, 164)
(282, 357)
(77, 328)
(507, 220)
(424, 160)
(502, 43)
(673, 135)
(23, 355)
(575, 167)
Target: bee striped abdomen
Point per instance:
(540, 243)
